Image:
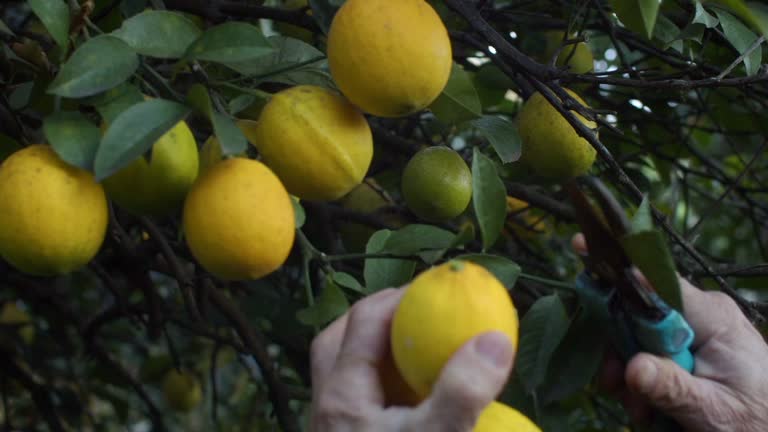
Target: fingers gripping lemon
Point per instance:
(316, 142)
(442, 309)
(53, 216)
(239, 220)
(391, 58)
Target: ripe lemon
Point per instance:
(396, 391)
(53, 216)
(523, 221)
(367, 197)
(552, 149)
(442, 309)
(182, 390)
(391, 58)
(239, 220)
(437, 184)
(158, 186)
(316, 142)
(11, 315)
(499, 417)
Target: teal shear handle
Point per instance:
(670, 337)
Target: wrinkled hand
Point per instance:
(348, 396)
(728, 390)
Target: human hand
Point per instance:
(347, 394)
(728, 390)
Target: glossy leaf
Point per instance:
(541, 331)
(754, 13)
(160, 34)
(649, 252)
(5, 29)
(742, 38)
(230, 42)
(576, 361)
(488, 198)
(506, 270)
(112, 103)
(638, 15)
(54, 14)
(348, 281)
(298, 210)
(74, 138)
(643, 218)
(134, 132)
(704, 17)
(459, 101)
(380, 273)
(98, 65)
(503, 136)
(331, 304)
(229, 135)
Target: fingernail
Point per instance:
(495, 348)
(647, 378)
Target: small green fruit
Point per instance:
(437, 184)
(182, 390)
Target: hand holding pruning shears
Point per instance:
(728, 387)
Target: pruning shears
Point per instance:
(634, 315)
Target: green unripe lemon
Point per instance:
(551, 148)
(182, 390)
(437, 184)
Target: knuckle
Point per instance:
(335, 407)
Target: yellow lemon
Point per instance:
(391, 58)
(53, 216)
(551, 148)
(316, 142)
(523, 221)
(11, 315)
(498, 417)
(437, 184)
(158, 186)
(239, 220)
(182, 390)
(442, 309)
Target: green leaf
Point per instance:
(575, 361)
(74, 138)
(668, 33)
(503, 136)
(5, 29)
(754, 13)
(638, 15)
(54, 14)
(504, 269)
(293, 62)
(742, 38)
(649, 252)
(98, 65)
(489, 198)
(416, 238)
(346, 280)
(643, 219)
(323, 12)
(134, 132)
(459, 101)
(298, 210)
(331, 304)
(112, 103)
(229, 135)
(380, 273)
(160, 34)
(704, 17)
(541, 331)
(229, 43)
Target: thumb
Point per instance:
(667, 386)
(470, 381)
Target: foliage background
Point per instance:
(680, 98)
